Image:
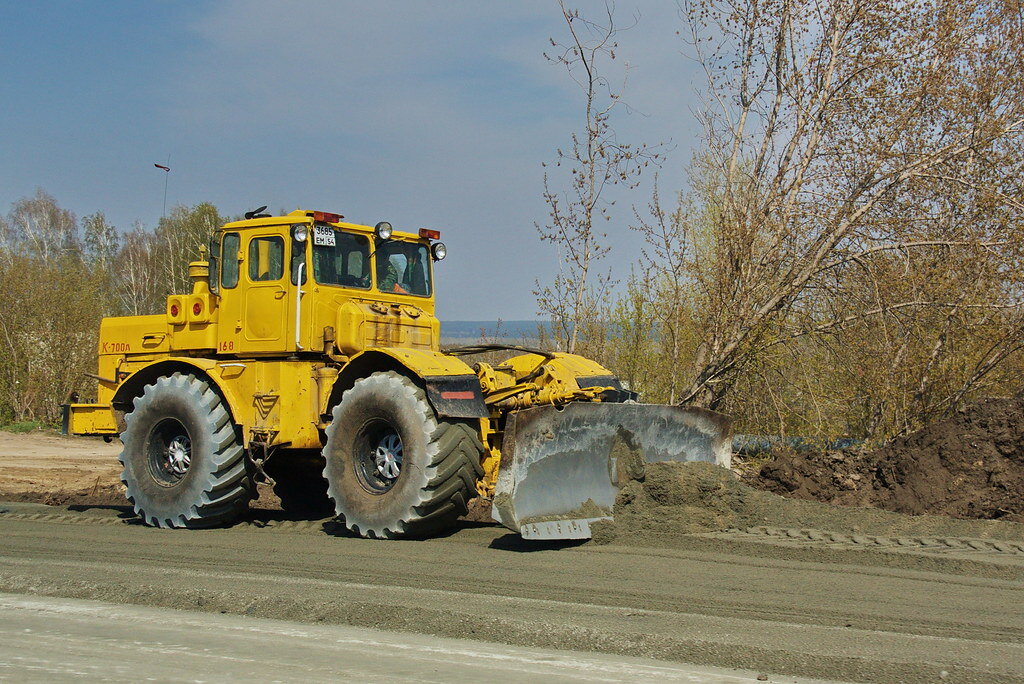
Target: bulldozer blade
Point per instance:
(562, 467)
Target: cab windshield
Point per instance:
(403, 268)
(345, 263)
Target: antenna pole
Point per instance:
(167, 176)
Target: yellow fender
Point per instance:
(452, 387)
(107, 416)
(209, 369)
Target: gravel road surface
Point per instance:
(787, 604)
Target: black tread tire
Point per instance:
(299, 484)
(217, 486)
(441, 461)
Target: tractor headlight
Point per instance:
(438, 251)
(300, 232)
(383, 230)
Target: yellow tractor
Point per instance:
(304, 334)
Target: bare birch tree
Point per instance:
(595, 160)
(38, 226)
(49, 308)
(139, 290)
(178, 240)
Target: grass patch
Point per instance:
(24, 426)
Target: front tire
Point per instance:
(393, 468)
(184, 465)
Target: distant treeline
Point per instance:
(60, 275)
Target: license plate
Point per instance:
(323, 236)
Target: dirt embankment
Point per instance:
(968, 466)
(670, 500)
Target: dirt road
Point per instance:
(880, 597)
(47, 639)
(763, 600)
(50, 468)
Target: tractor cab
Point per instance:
(308, 282)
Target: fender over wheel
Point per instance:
(184, 465)
(393, 468)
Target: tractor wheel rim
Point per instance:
(170, 452)
(378, 456)
(179, 455)
(388, 456)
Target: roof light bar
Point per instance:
(326, 217)
(431, 234)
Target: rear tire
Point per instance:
(393, 468)
(184, 465)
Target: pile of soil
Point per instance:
(968, 466)
(669, 500)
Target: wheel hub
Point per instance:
(169, 449)
(388, 456)
(378, 456)
(179, 455)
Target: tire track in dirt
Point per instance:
(833, 540)
(805, 538)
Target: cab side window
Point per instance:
(266, 259)
(229, 265)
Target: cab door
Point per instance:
(264, 314)
(230, 301)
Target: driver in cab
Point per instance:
(407, 259)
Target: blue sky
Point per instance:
(423, 114)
